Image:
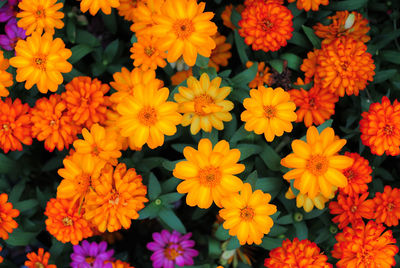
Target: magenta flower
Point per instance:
(90, 255)
(172, 248)
(7, 11)
(13, 34)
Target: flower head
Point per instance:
(127, 9)
(39, 260)
(227, 13)
(358, 175)
(13, 34)
(309, 4)
(307, 203)
(146, 53)
(93, 254)
(6, 79)
(263, 76)
(121, 264)
(208, 173)
(181, 76)
(145, 12)
(7, 213)
(172, 248)
(95, 5)
(221, 53)
(386, 206)
(309, 66)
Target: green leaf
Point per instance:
(252, 179)
(20, 238)
(347, 5)
(170, 165)
(202, 61)
(212, 136)
(300, 40)
(110, 21)
(314, 213)
(71, 31)
(222, 234)
(287, 219)
(78, 52)
(110, 51)
(247, 150)
(16, 192)
(147, 164)
(241, 47)
(269, 243)
(392, 56)
(7, 165)
(315, 41)
(277, 230)
(239, 135)
(170, 184)
(150, 211)
(243, 78)
(26, 205)
(171, 197)
(214, 248)
(86, 38)
(269, 184)
(270, 157)
(235, 17)
(293, 61)
(301, 230)
(277, 64)
(384, 75)
(154, 187)
(171, 220)
(233, 243)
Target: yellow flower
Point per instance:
(302, 200)
(94, 5)
(203, 104)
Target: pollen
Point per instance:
(269, 111)
(40, 62)
(317, 165)
(147, 116)
(183, 28)
(201, 103)
(210, 176)
(247, 214)
(67, 221)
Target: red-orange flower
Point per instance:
(309, 4)
(7, 213)
(380, 127)
(365, 246)
(358, 175)
(15, 122)
(1, 258)
(263, 76)
(266, 26)
(220, 54)
(387, 206)
(39, 260)
(6, 79)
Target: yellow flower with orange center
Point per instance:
(40, 15)
(7, 213)
(116, 200)
(316, 165)
(184, 29)
(307, 203)
(146, 54)
(263, 76)
(247, 215)
(220, 54)
(309, 4)
(208, 173)
(40, 60)
(95, 5)
(6, 79)
(145, 12)
(203, 104)
(269, 111)
(39, 260)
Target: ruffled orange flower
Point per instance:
(181, 76)
(184, 29)
(315, 105)
(344, 23)
(358, 175)
(121, 264)
(299, 254)
(7, 213)
(40, 60)
(6, 79)
(309, 4)
(116, 200)
(39, 260)
(380, 127)
(220, 54)
(227, 13)
(95, 5)
(365, 246)
(208, 173)
(203, 104)
(39, 16)
(16, 125)
(268, 111)
(251, 2)
(52, 124)
(146, 54)
(263, 76)
(86, 101)
(65, 221)
(266, 26)
(386, 206)
(127, 9)
(309, 66)
(307, 203)
(344, 65)
(145, 12)
(317, 167)
(247, 215)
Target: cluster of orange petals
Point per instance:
(358, 175)
(263, 76)
(221, 53)
(7, 213)
(39, 260)
(308, 5)
(386, 206)
(6, 79)
(227, 13)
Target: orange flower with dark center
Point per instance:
(266, 26)
(227, 13)
(220, 54)
(365, 246)
(380, 127)
(344, 24)
(263, 76)
(39, 260)
(358, 175)
(6, 79)
(146, 54)
(15, 125)
(387, 206)
(7, 213)
(309, 4)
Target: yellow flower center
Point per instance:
(353, 209)
(388, 129)
(52, 122)
(390, 206)
(40, 12)
(114, 200)
(210, 176)
(149, 51)
(317, 165)
(183, 28)
(171, 253)
(67, 221)
(204, 104)
(5, 127)
(269, 111)
(40, 62)
(39, 265)
(247, 214)
(147, 116)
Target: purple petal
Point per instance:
(165, 235)
(93, 249)
(102, 246)
(168, 263)
(153, 246)
(187, 244)
(180, 261)
(158, 239)
(159, 254)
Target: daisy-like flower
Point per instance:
(227, 13)
(184, 29)
(308, 5)
(39, 260)
(309, 67)
(65, 221)
(6, 79)
(181, 76)
(172, 248)
(365, 246)
(203, 104)
(7, 213)
(146, 53)
(147, 116)
(221, 53)
(307, 203)
(116, 200)
(145, 12)
(127, 9)
(266, 26)
(269, 111)
(316, 165)
(263, 76)
(39, 16)
(344, 23)
(208, 173)
(380, 127)
(247, 215)
(300, 254)
(344, 65)
(16, 125)
(386, 206)
(349, 209)
(40, 60)
(358, 175)
(12, 34)
(92, 254)
(86, 101)
(95, 5)
(315, 105)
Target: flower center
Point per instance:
(40, 62)
(353, 209)
(210, 176)
(149, 51)
(349, 174)
(40, 12)
(269, 111)
(171, 253)
(114, 200)
(266, 25)
(67, 221)
(39, 265)
(5, 127)
(247, 214)
(204, 104)
(365, 257)
(89, 260)
(311, 102)
(388, 129)
(52, 122)
(317, 165)
(390, 206)
(83, 183)
(147, 116)
(183, 28)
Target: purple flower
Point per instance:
(7, 11)
(13, 34)
(90, 255)
(172, 248)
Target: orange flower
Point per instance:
(65, 221)
(181, 76)
(315, 105)
(121, 264)
(146, 54)
(358, 175)
(263, 76)
(387, 206)
(380, 127)
(251, 2)
(145, 12)
(344, 24)
(310, 4)
(1, 258)
(309, 66)
(40, 15)
(7, 213)
(116, 200)
(365, 246)
(227, 13)
(6, 79)
(16, 125)
(39, 260)
(344, 65)
(94, 5)
(52, 124)
(299, 254)
(266, 26)
(86, 101)
(127, 9)
(184, 29)
(220, 54)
